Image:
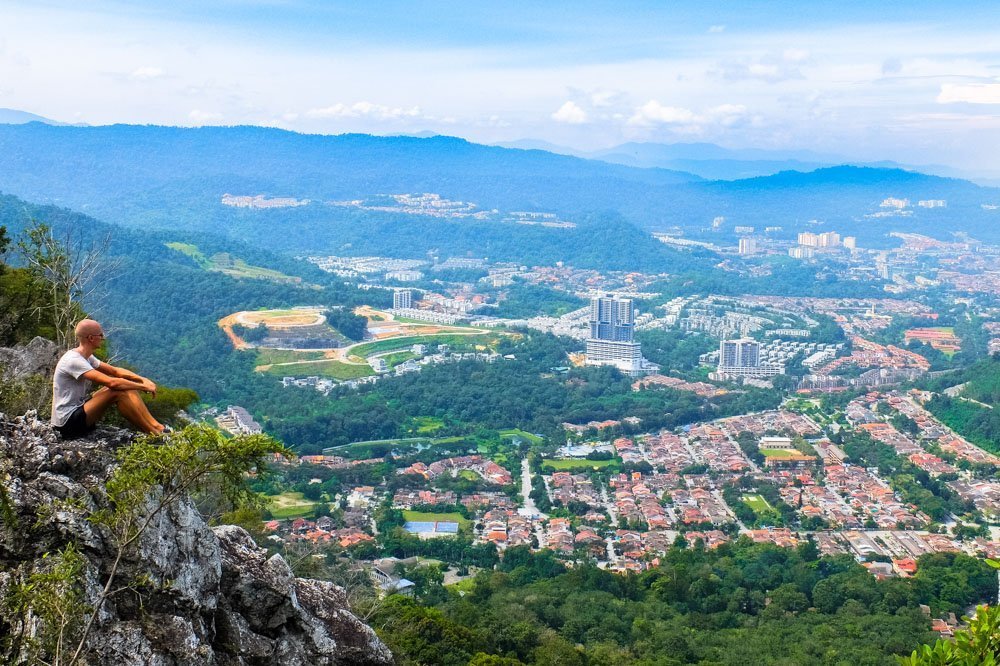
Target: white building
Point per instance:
(402, 299)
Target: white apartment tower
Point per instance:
(402, 299)
(741, 358)
(612, 322)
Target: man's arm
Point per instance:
(119, 379)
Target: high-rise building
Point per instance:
(742, 353)
(850, 242)
(741, 358)
(612, 323)
(748, 246)
(828, 239)
(611, 318)
(402, 299)
(808, 239)
(801, 252)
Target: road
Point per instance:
(613, 557)
(528, 509)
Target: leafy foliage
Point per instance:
(979, 645)
(741, 603)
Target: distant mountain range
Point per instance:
(714, 162)
(174, 178)
(16, 117)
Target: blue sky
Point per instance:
(917, 82)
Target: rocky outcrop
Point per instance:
(207, 595)
(37, 358)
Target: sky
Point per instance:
(916, 82)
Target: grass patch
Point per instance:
(330, 369)
(267, 356)
(426, 517)
(290, 505)
(394, 359)
(223, 262)
(469, 475)
(757, 503)
(778, 453)
(568, 464)
(478, 336)
(427, 424)
(527, 436)
(467, 585)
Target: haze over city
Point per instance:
(915, 82)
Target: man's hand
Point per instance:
(149, 386)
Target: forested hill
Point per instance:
(160, 308)
(168, 177)
(122, 171)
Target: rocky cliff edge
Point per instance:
(210, 596)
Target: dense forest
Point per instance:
(741, 603)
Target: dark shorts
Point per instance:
(76, 426)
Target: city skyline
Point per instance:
(860, 81)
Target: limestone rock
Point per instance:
(211, 595)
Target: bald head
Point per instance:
(87, 328)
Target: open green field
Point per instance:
(778, 453)
(233, 266)
(330, 369)
(527, 436)
(289, 505)
(474, 337)
(757, 503)
(469, 475)
(565, 465)
(426, 517)
(427, 424)
(395, 358)
(271, 356)
(465, 585)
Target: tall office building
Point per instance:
(402, 299)
(612, 324)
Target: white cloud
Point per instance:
(200, 117)
(727, 114)
(973, 93)
(602, 99)
(570, 113)
(654, 113)
(364, 110)
(771, 67)
(795, 55)
(146, 73)
(717, 28)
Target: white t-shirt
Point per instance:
(69, 391)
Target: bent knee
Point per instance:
(122, 394)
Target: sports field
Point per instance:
(427, 517)
(757, 503)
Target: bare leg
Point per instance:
(130, 405)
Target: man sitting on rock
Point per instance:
(73, 413)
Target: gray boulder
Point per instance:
(208, 595)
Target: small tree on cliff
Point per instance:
(68, 272)
(153, 474)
